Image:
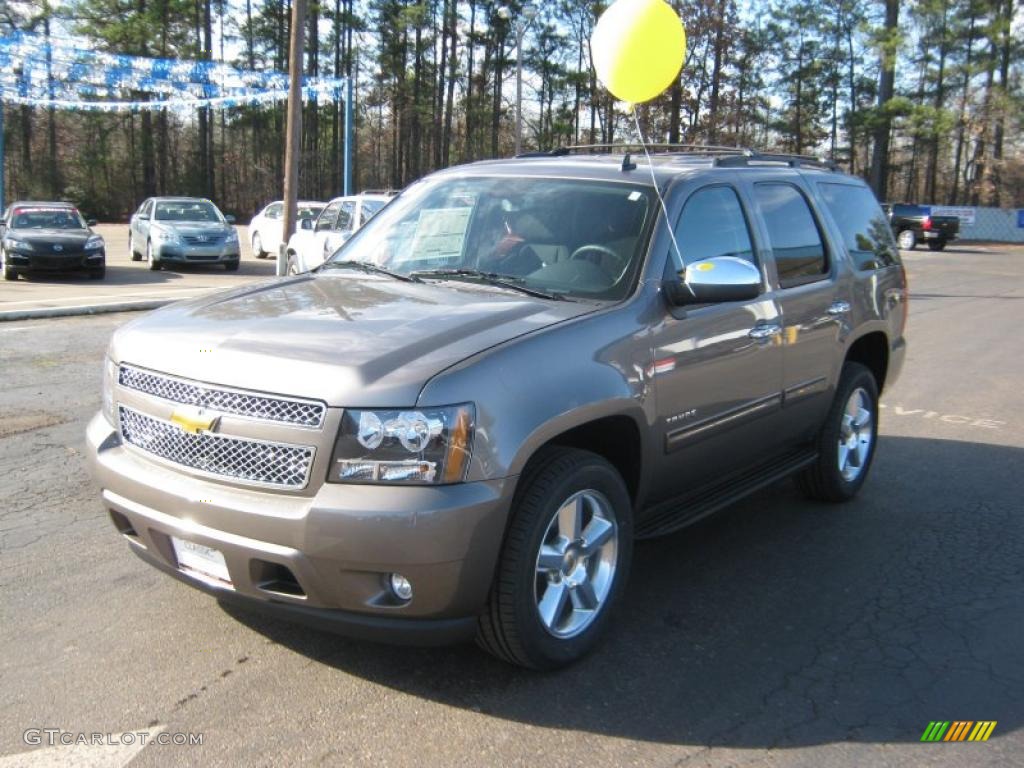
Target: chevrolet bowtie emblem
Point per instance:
(195, 420)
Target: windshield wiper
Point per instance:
(372, 269)
(490, 278)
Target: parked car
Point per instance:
(913, 224)
(49, 237)
(458, 425)
(183, 230)
(266, 227)
(315, 240)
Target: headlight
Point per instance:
(109, 377)
(93, 243)
(231, 237)
(165, 235)
(11, 244)
(422, 446)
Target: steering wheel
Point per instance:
(617, 265)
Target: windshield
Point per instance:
(47, 218)
(567, 236)
(187, 210)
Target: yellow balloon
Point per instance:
(638, 48)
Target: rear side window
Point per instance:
(795, 238)
(866, 231)
(712, 224)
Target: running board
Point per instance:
(674, 514)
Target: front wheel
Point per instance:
(151, 259)
(564, 563)
(257, 247)
(131, 248)
(9, 272)
(97, 273)
(907, 240)
(936, 245)
(231, 266)
(292, 264)
(846, 443)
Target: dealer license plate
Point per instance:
(201, 560)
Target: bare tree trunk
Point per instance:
(886, 87)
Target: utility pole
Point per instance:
(293, 128)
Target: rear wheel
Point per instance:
(257, 247)
(564, 563)
(846, 443)
(907, 240)
(936, 245)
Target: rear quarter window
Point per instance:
(864, 227)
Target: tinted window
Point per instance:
(865, 230)
(712, 224)
(795, 240)
(901, 209)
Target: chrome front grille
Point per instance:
(202, 239)
(242, 459)
(303, 413)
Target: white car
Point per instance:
(314, 241)
(267, 226)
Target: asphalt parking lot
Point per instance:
(781, 632)
(127, 280)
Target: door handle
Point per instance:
(839, 308)
(765, 331)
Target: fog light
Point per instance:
(401, 586)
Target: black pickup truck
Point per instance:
(912, 224)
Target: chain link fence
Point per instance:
(1003, 225)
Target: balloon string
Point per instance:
(661, 200)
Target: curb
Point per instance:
(87, 309)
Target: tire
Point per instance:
(257, 247)
(154, 263)
(588, 490)
(936, 245)
(9, 272)
(136, 256)
(231, 266)
(907, 240)
(838, 475)
(97, 274)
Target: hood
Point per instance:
(66, 237)
(346, 338)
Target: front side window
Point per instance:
(712, 224)
(571, 236)
(345, 216)
(865, 230)
(326, 221)
(796, 242)
(186, 210)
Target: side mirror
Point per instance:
(92, 222)
(306, 224)
(723, 278)
(229, 219)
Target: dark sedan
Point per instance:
(49, 237)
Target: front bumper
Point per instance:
(33, 261)
(337, 546)
(196, 254)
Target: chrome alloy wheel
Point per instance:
(576, 564)
(856, 435)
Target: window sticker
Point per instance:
(440, 233)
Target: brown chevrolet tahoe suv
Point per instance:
(460, 423)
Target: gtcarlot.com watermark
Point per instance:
(57, 737)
